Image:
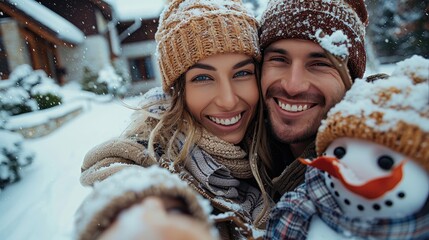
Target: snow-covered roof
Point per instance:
(128, 10)
(62, 28)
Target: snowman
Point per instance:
(371, 179)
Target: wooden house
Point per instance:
(63, 37)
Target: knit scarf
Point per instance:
(218, 167)
(227, 154)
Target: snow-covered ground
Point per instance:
(43, 203)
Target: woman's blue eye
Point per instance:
(201, 78)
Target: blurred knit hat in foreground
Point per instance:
(298, 19)
(191, 30)
(128, 187)
(393, 112)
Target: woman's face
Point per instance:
(222, 94)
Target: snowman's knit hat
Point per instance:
(393, 112)
(191, 30)
(298, 19)
(128, 187)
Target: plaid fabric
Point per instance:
(291, 217)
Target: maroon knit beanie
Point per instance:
(300, 19)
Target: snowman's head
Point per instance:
(375, 144)
(370, 180)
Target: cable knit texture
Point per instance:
(229, 155)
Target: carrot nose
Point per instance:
(372, 189)
(324, 163)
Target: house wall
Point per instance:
(140, 49)
(93, 53)
(17, 50)
(146, 31)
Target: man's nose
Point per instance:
(295, 81)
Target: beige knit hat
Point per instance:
(393, 112)
(298, 19)
(128, 187)
(191, 30)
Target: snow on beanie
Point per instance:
(191, 30)
(393, 112)
(298, 19)
(128, 187)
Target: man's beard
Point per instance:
(308, 134)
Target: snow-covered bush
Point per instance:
(13, 157)
(41, 88)
(121, 69)
(107, 81)
(89, 82)
(30, 91)
(46, 94)
(4, 117)
(116, 84)
(16, 100)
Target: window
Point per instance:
(4, 64)
(141, 69)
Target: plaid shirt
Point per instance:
(291, 217)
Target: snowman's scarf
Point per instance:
(292, 215)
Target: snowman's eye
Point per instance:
(385, 162)
(339, 152)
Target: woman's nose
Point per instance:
(226, 96)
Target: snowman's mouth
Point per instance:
(372, 189)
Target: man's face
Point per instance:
(299, 85)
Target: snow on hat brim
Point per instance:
(393, 112)
(128, 187)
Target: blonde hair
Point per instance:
(175, 121)
(260, 148)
